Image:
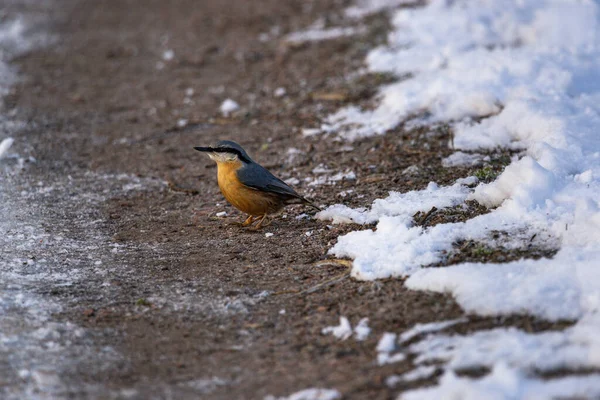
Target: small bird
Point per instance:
(248, 186)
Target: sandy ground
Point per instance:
(178, 303)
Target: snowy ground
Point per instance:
(516, 75)
(500, 75)
(50, 240)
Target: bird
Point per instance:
(248, 186)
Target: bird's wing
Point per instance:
(257, 177)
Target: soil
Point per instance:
(193, 305)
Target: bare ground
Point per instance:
(193, 305)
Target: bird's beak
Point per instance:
(210, 152)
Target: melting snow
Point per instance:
(229, 106)
(310, 394)
(317, 32)
(511, 74)
(459, 159)
(5, 145)
(364, 8)
(344, 330)
(428, 328)
(422, 372)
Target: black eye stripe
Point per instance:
(223, 150)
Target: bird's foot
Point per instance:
(261, 223)
(268, 222)
(249, 221)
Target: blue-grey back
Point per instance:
(258, 177)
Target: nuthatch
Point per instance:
(248, 186)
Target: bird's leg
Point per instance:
(248, 221)
(268, 221)
(259, 225)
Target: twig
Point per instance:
(329, 282)
(334, 261)
(423, 219)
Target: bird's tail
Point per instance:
(310, 203)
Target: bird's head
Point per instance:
(226, 151)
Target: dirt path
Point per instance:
(176, 302)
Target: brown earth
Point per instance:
(198, 297)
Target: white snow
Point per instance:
(514, 74)
(344, 330)
(364, 8)
(329, 179)
(387, 358)
(317, 32)
(292, 181)
(310, 131)
(385, 347)
(545, 351)
(362, 330)
(419, 329)
(506, 383)
(168, 55)
(387, 343)
(321, 169)
(279, 92)
(422, 372)
(401, 206)
(310, 394)
(5, 145)
(205, 385)
(37, 255)
(228, 106)
(459, 159)
(345, 193)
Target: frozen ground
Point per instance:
(516, 75)
(50, 241)
(41, 256)
(113, 286)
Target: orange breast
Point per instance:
(247, 200)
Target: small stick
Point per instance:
(332, 281)
(329, 282)
(334, 261)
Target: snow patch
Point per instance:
(5, 145)
(460, 159)
(422, 372)
(385, 347)
(344, 330)
(228, 107)
(508, 383)
(364, 8)
(310, 394)
(536, 90)
(317, 32)
(419, 329)
(401, 205)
